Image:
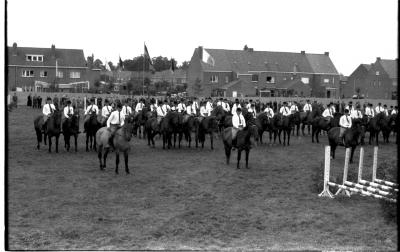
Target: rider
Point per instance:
(385, 110)
(105, 111)
(350, 107)
(139, 105)
(209, 105)
(174, 106)
(114, 122)
(252, 110)
(284, 110)
(394, 111)
(327, 114)
(181, 106)
(238, 123)
(203, 111)
(161, 112)
(126, 109)
(356, 114)
(221, 103)
(47, 110)
(91, 108)
(369, 111)
(294, 108)
(344, 123)
(227, 108)
(189, 112)
(269, 110)
(307, 107)
(236, 106)
(68, 111)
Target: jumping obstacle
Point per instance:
(380, 189)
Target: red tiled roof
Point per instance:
(244, 61)
(65, 57)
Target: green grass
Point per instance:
(185, 199)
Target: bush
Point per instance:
(388, 171)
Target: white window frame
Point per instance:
(28, 73)
(60, 74)
(305, 80)
(226, 79)
(253, 77)
(377, 73)
(272, 81)
(34, 57)
(326, 80)
(43, 74)
(214, 78)
(75, 75)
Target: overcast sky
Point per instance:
(353, 31)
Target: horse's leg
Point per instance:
(106, 150)
(284, 137)
(312, 133)
(247, 158)
(288, 139)
(126, 161)
(298, 128)
(94, 143)
(76, 142)
(212, 140)
(116, 161)
(100, 156)
(316, 135)
(174, 138)
(302, 128)
(376, 137)
(196, 138)
(353, 148)
(57, 143)
(164, 140)
(49, 143)
(279, 135)
(239, 153)
(333, 149)
(260, 133)
(228, 153)
(87, 141)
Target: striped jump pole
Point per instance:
(342, 190)
(327, 169)
(374, 168)
(367, 188)
(379, 186)
(343, 187)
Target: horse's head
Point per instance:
(218, 112)
(213, 123)
(263, 119)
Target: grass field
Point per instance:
(185, 199)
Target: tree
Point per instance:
(245, 48)
(111, 65)
(98, 64)
(185, 65)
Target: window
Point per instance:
(28, 73)
(305, 80)
(326, 80)
(214, 78)
(226, 79)
(377, 73)
(254, 77)
(43, 73)
(284, 78)
(75, 75)
(60, 74)
(270, 79)
(379, 83)
(30, 57)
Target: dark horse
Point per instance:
(243, 142)
(319, 123)
(285, 124)
(262, 123)
(221, 116)
(375, 125)
(208, 125)
(151, 128)
(352, 138)
(91, 126)
(140, 119)
(52, 128)
(121, 143)
(189, 127)
(306, 119)
(168, 126)
(70, 128)
(296, 121)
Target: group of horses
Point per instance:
(178, 126)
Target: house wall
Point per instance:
(356, 80)
(379, 86)
(195, 72)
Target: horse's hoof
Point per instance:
(127, 172)
(247, 167)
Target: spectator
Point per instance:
(29, 102)
(15, 100)
(35, 105)
(39, 102)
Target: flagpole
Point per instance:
(144, 59)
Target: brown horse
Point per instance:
(71, 128)
(262, 123)
(121, 144)
(209, 125)
(243, 142)
(51, 128)
(168, 127)
(91, 126)
(319, 123)
(352, 138)
(375, 125)
(189, 127)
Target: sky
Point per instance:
(352, 31)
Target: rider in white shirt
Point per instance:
(344, 123)
(269, 111)
(238, 123)
(235, 106)
(139, 106)
(114, 122)
(105, 111)
(284, 110)
(307, 107)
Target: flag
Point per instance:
(121, 64)
(207, 58)
(172, 65)
(147, 56)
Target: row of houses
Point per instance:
(211, 72)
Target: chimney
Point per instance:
(378, 58)
(326, 53)
(53, 51)
(303, 52)
(14, 50)
(200, 49)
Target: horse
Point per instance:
(243, 142)
(140, 119)
(52, 128)
(306, 119)
(168, 125)
(121, 141)
(151, 128)
(375, 125)
(285, 125)
(262, 123)
(220, 114)
(208, 125)
(352, 137)
(296, 121)
(178, 129)
(388, 124)
(70, 127)
(191, 125)
(91, 126)
(319, 123)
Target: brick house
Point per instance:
(35, 69)
(375, 81)
(178, 77)
(216, 72)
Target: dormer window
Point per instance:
(31, 57)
